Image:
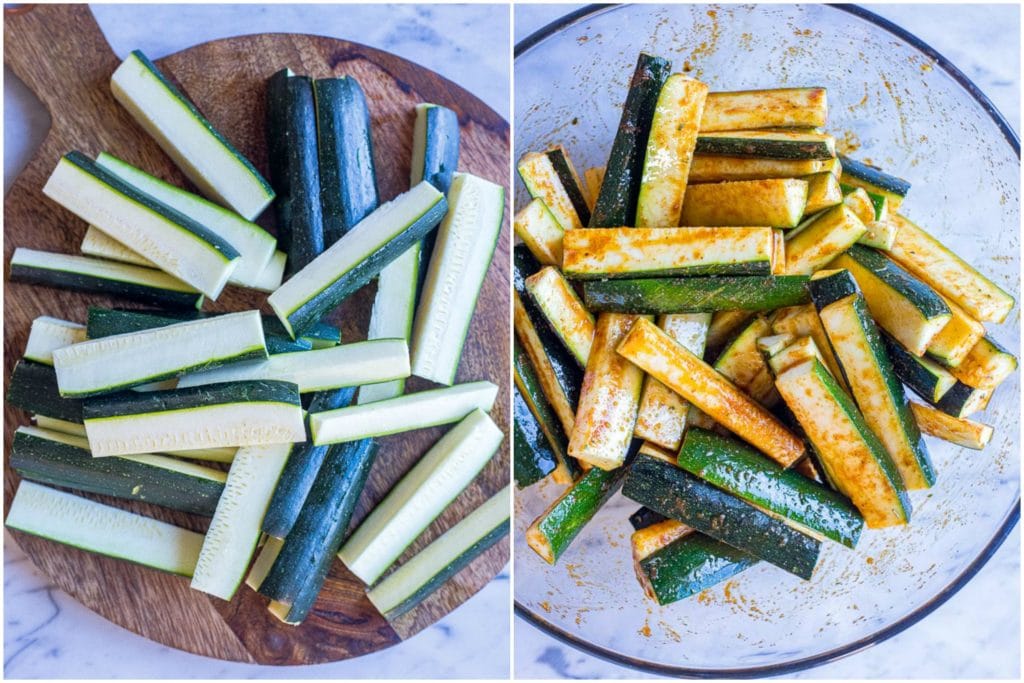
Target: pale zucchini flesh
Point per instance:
(986, 365)
(271, 277)
(955, 340)
(49, 334)
(777, 202)
(823, 239)
(540, 232)
(392, 315)
(777, 108)
(959, 431)
(593, 178)
(97, 243)
(560, 192)
(711, 168)
(823, 192)
(269, 551)
(562, 307)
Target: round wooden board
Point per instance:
(61, 54)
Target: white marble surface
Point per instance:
(976, 634)
(49, 635)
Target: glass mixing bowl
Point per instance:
(893, 101)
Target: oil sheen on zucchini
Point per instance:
(777, 202)
(777, 108)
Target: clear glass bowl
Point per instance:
(897, 103)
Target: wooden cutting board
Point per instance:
(61, 54)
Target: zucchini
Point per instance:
(422, 494)
(593, 177)
(616, 203)
(64, 460)
(269, 549)
(600, 253)
(82, 523)
(33, 388)
(853, 458)
(793, 353)
(255, 245)
(83, 274)
(738, 295)
(926, 378)
(49, 334)
(235, 528)
(745, 473)
(466, 240)
(743, 364)
(767, 144)
(777, 108)
(540, 232)
(97, 243)
(954, 341)
(986, 365)
(126, 360)
(951, 276)
(824, 237)
(675, 493)
(271, 277)
(823, 192)
(564, 311)
(879, 234)
(174, 242)
(529, 388)
(533, 458)
(301, 470)
(650, 538)
(959, 431)
(687, 566)
(347, 175)
(202, 154)
(858, 201)
(402, 413)
(551, 177)
(712, 168)
(656, 353)
(724, 325)
(661, 418)
(670, 148)
(609, 397)
(345, 365)
(778, 202)
(903, 306)
(962, 400)
(645, 517)
(774, 344)
(447, 555)
(232, 414)
(356, 258)
(873, 179)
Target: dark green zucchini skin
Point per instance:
(78, 282)
(765, 148)
(874, 176)
(61, 464)
(440, 159)
(538, 407)
(831, 288)
(958, 401)
(616, 201)
(533, 458)
(33, 388)
(294, 167)
(691, 564)
(675, 493)
(923, 296)
(695, 294)
(744, 472)
(301, 470)
(911, 371)
(139, 403)
(321, 527)
(348, 177)
(645, 517)
(565, 175)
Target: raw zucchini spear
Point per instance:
(778, 202)
(609, 398)
(97, 243)
(986, 365)
(66, 518)
(345, 365)
(869, 373)
(235, 528)
(356, 258)
(778, 108)
(853, 458)
(528, 386)
(669, 151)
(735, 468)
(466, 240)
(64, 460)
(551, 177)
(687, 566)
(421, 496)
(255, 245)
(903, 306)
(661, 418)
(447, 555)
(83, 274)
(49, 334)
(821, 239)
(123, 361)
(402, 413)
(540, 232)
(600, 253)
(926, 378)
(564, 311)
(694, 295)
(767, 144)
(823, 192)
(711, 168)
(269, 548)
(675, 493)
(271, 277)
(951, 276)
(533, 457)
(959, 431)
(33, 388)
(962, 400)
(954, 341)
(859, 202)
(659, 355)
(620, 188)
(232, 414)
(202, 154)
(347, 175)
(174, 242)
(872, 179)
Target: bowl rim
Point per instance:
(1009, 522)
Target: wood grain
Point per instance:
(61, 55)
